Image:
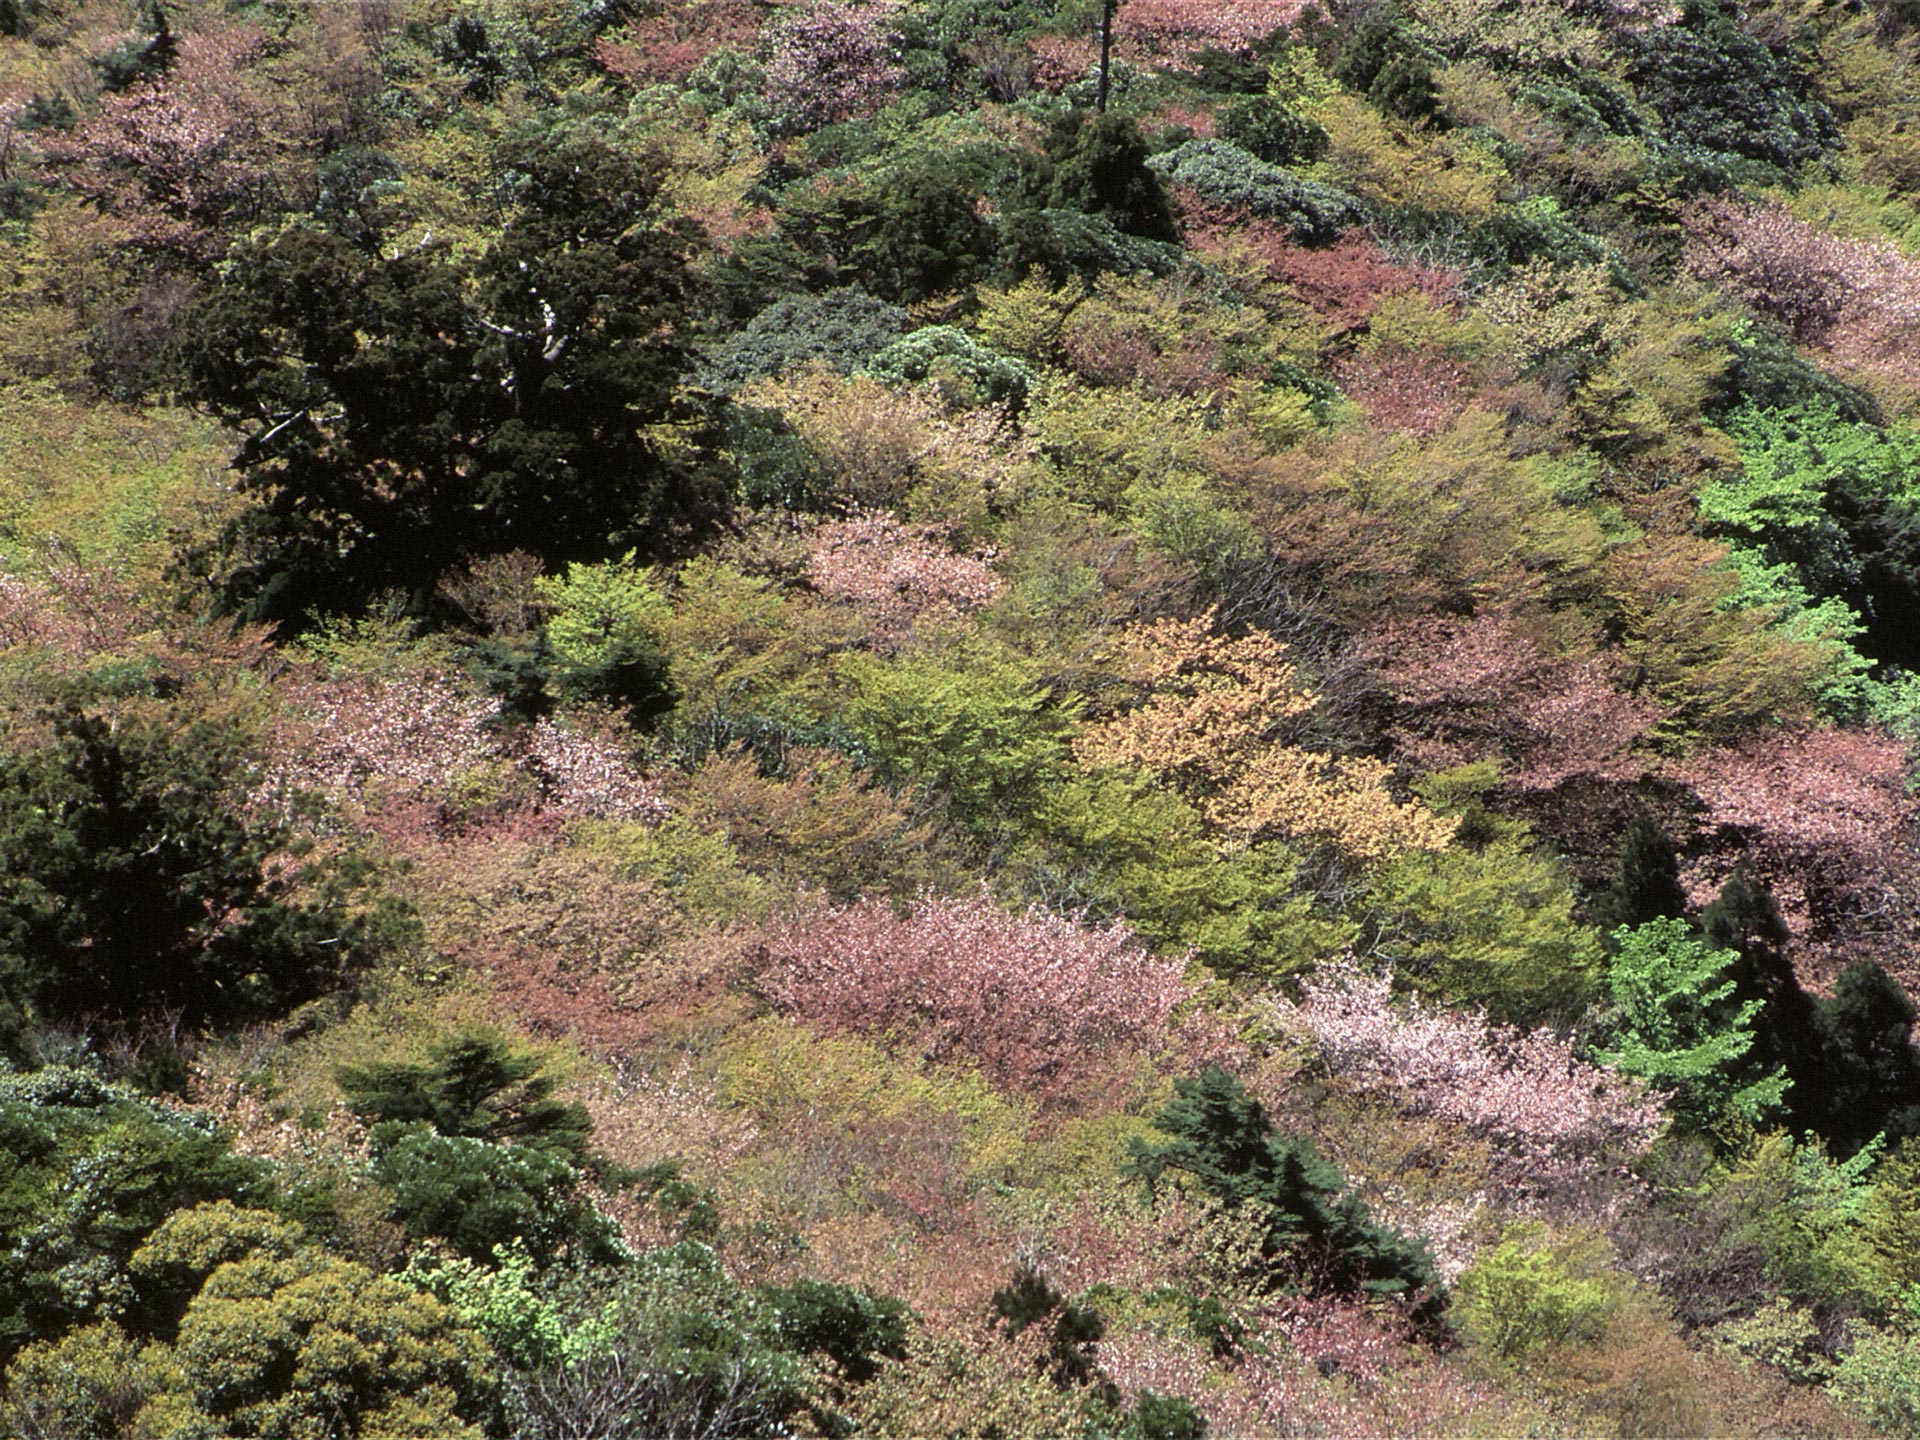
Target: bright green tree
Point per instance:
(1674, 1027)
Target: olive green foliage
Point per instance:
(93, 1384)
(1312, 1230)
(307, 1344)
(1676, 1028)
(1492, 926)
(1805, 1213)
(134, 878)
(603, 636)
(1879, 1377)
(1528, 1293)
(977, 726)
(91, 1171)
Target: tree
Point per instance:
(475, 1085)
(1037, 1000)
(1308, 1223)
(477, 1152)
(133, 879)
(408, 408)
(1869, 1080)
(1205, 726)
(1646, 879)
(1100, 169)
(1677, 1029)
(1721, 91)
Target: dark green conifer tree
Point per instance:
(1646, 880)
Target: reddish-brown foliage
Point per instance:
(666, 46)
(1172, 33)
(1342, 283)
(1825, 819)
(1477, 690)
(1525, 1091)
(901, 572)
(203, 145)
(831, 60)
(1415, 392)
(1038, 1001)
(1060, 60)
(1860, 299)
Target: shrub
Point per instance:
(842, 329)
(93, 1170)
(1271, 130)
(1526, 1295)
(603, 636)
(1879, 1378)
(295, 1345)
(1038, 1001)
(1223, 173)
(980, 729)
(956, 363)
(1526, 1090)
(476, 1196)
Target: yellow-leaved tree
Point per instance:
(1207, 724)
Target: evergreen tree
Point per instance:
(1100, 168)
(471, 1085)
(1869, 1078)
(407, 409)
(1308, 1222)
(1646, 879)
(1745, 920)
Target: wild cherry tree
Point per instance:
(831, 60)
(1038, 1001)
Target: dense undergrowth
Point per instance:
(728, 718)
